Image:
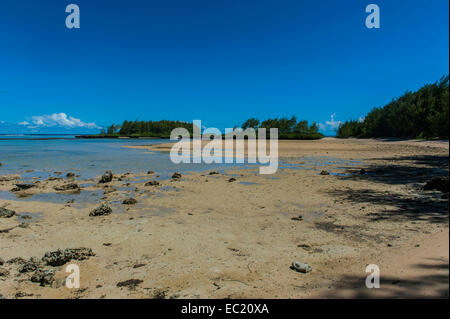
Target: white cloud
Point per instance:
(331, 124)
(59, 120)
(24, 123)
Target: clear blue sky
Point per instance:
(219, 61)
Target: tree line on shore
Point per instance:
(420, 114)
(287, 128)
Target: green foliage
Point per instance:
(421, 114)
(250, 123)
(147, 128)
(287, 128)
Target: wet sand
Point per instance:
(205, 237)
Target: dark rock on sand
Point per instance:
(4, 272)
(44, 277)
(16, 261)
(231, 180)
(214, 173)
(150, 172)
(70, 175)
(129, 201)
(67, 187)
(437, 183)
(25, 186)
(102, 210)
(106, 178)
(176, 176)
(61, 257)
(324, 173)
(298, 219)
(6, 213)
(2, 262)
(53, 178)
(31, 265)
(130, 283)
(152, 183)
(362, 171)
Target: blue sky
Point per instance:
(219, 61)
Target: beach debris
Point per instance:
(362, 171)
(176, 175)
(231, 180)
(31, 265)
(67, 187)
(106, 178)
(298, 218)
(25, 186)
(70, 175)
(150, 172)
(324, 173)
(152, 183)
(129, 201)
(44, 277)
(6, 213)
(60, 257)
(130, 283)
(4, 272)
(102, 210)
(2, 262)
(437, 183)
(139, 265)
(214, 173)
(301, 267)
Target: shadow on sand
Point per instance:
(414, 203)
(424, 286)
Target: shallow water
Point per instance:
(88, 158)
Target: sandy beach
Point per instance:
(235, 234)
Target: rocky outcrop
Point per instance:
(129, 201)
(152, 183)
(106, 178)
(102, 210)
(4, 272)
(61, 257)
(67, 187)
(176, 175)
(31, 265)
(43, 277)
(24, 186)
(6, 213)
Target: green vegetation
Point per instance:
(160, 129)
(287, 128)
(421, 114)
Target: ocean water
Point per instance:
(42, 156)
